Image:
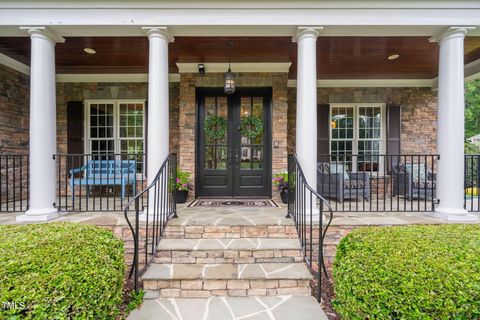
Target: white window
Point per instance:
(115, 127)
(357, 129)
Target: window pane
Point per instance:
(215, 157)
(245, 158)
(257, 157)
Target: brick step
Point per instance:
(205, 280)
(216, 251)
(174, 231)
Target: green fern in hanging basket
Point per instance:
(251, 127)
(215, 127)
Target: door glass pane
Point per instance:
(215, 107)
(215, 148)
(252, 147)
(221, 157)
(257, 157)
(222, 111)
(209, 157)
(245, 158)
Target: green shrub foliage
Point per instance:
(409, 272)
(60, 271)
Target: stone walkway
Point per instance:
(228, 263)
(228, 308)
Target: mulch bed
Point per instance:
(328, 293)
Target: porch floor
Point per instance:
(246, 216)
(390, 205)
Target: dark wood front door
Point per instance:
(234, 165)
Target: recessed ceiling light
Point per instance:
(89, 50)
(393, 56)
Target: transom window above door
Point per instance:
(115, 127)
(357, 129)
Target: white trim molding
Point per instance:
(14, 64)
(472, 70)
(110, 77)
(367, 83)
(43, 31)
(236, 67)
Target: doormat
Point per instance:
(233, 203)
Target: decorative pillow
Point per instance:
(418, 171)
(338, 167)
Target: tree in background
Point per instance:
(472, 114)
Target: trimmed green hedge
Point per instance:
(409, 272)
(60, 271)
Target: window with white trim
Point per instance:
(115, 127)
(357, 129)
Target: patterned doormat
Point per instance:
(233, 203)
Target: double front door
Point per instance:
(234, 143)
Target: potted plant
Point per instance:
(280, 181)
(182, 186)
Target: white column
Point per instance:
(306, 117)
(43, 139)
(158, 106)
(158, 103)
(450, 133)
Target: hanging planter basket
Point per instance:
(251, 127)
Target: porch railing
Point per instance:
(14, 182)
(98, 182)
(153, 208)
(306, 208)
(378, 183)
(472, 182)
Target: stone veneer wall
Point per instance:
(418, 112)
(187, 119)
(14, 111)
(81, 91)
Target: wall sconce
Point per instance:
(201, 68)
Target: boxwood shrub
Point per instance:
(60, 271)
(409, 272)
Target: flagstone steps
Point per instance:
(205, 280)
(239, 251)
(194, 231)
(231, 308)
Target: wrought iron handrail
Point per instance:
(302, 202)
(158, 209)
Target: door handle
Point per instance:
(230, 158)
(237, 158)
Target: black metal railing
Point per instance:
(306, 208)
(158, 208)
(472, 182)
(98, 182)
(14, 182)
(378, 183)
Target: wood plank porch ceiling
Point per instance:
(337, 57)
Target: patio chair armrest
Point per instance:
(365, 176)
(77, 170)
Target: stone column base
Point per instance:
(38, 215)
(458, 215)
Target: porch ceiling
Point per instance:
(337, 57)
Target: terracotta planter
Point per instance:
(181, 196)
